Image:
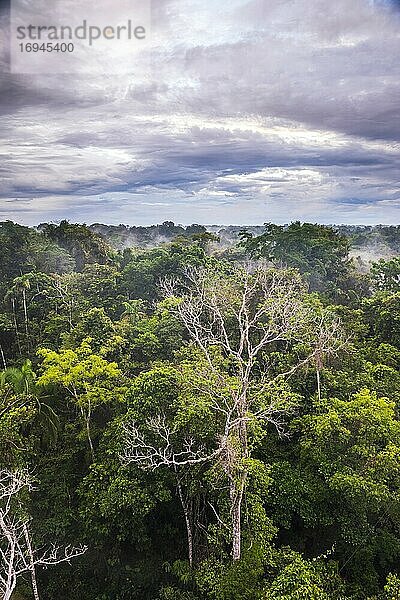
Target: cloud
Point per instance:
(242, 112)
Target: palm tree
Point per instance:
(22, 381)
(20, 286)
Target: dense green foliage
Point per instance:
(93, 347)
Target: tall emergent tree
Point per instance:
(235, 322)
(317, 251)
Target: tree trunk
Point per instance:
(11, 578)
(25, 313)
(238, 480)
(86, 419)
(319, 385)
(16, 326)
(32, 563)
(86, 416)
(237, 497)
(189, 532)
(3, 358)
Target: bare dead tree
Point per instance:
(241, 316)
(59, 290)
(17, 555)
(166, 450)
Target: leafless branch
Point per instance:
(16, 554)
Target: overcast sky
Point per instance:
(240, 112)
